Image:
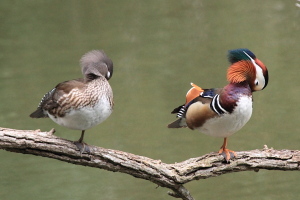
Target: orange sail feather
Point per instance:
(194, 92)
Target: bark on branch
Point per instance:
(172, 176)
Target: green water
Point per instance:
(158, 48)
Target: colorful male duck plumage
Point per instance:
(81, 103)
(220, 112)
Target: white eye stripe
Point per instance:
(248, 56)
(253, 62)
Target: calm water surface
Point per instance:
(158, 48)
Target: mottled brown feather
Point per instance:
(73, 94)
(67, 86)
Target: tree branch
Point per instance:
(171, 176)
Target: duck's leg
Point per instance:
(83, 147)
(226, 153)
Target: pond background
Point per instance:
(158, 48)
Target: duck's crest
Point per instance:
(237, 55)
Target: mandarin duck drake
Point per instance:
(220, 112)
(81, 103)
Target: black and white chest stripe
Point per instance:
(216, 106)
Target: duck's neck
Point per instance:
(231, 94)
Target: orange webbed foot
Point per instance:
(227, 154)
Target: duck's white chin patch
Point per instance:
(227, 124)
